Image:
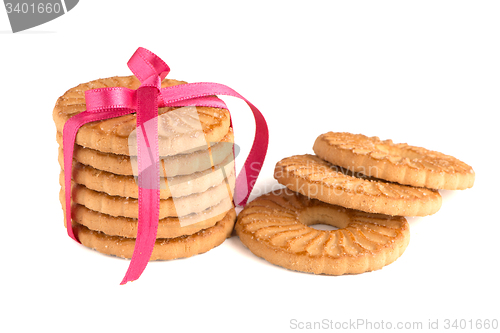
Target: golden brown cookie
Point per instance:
(169, 227)
(165, 248)
(395, 162)
(181, 164)
(316, 178)
(179, 129)
(128, 207)
(276, 227)
(126, 186)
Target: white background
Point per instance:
(422, 72)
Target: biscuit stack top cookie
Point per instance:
(177, 132)
(197, 176)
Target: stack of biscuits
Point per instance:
(361, 185)
(196, 184)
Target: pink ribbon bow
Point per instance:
(113, 102)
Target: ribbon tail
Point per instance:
(69, 135)
(255, 159)
(148, 162)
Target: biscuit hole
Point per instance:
(324, 217)
(322, 226)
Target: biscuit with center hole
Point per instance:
(172, 207)
(169, 227)
(126, 186)
(177, 165)
(277, 227)
(164, 248)
(395, 162)
(316, 178)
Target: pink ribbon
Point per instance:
(105, 103)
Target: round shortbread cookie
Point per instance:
(172, 207)
(316, 178)
(179, 129)
(399, 162)
(276, 227)
(165, 248)
(181, 164)
(169, 227)
(126, 186)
